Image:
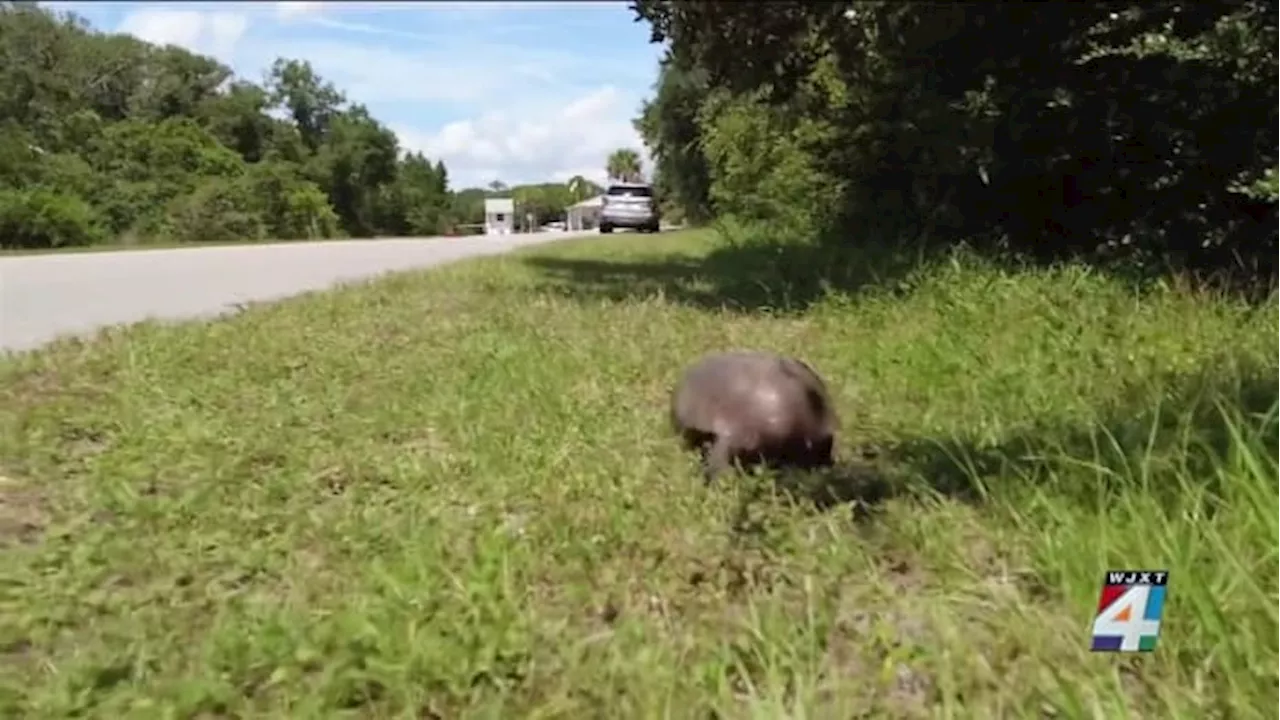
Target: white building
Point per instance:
(499, 216)
(586, 214)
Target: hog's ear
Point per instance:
(819, 403)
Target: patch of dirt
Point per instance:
(31, 387)
(22, 513)
(866, 641)
(82, 444)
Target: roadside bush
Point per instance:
(293, 207)
(147, 170)
(220, 210)
(764, 168)
(133, 208)
(176, 151)
(17, 161)
(307, 215)
(43, 218)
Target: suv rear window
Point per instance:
(631, 191)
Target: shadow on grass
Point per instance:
(1185, 430)
(745, 277)
(760, 272)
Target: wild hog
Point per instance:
(754, 408)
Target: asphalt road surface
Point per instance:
(43, 297)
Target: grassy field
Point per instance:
(454, 494)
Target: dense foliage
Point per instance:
(104, 138)
(1111, 130)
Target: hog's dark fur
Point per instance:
(754, 408)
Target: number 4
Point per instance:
(1124, 618)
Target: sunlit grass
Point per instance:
(453, 493)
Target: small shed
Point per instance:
(499, 216)
(584, 215)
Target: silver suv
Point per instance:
(629, 205)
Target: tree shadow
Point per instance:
(742, 277)
(1183, 429)
(759, 274)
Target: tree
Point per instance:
(104, 136)
(355, 164)
(547, 201)
(669, 126)
(238, 118)
(174, 83)
(311, 103)
(421, 196)
(577, 187)
(624, 165)
(1085, 130)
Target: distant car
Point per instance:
(629, 205)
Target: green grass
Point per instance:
(166, 245)
(454, 494)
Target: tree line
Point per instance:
(106, 138)
(1142, 133)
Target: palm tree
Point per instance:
(577, 187)
(624, 165)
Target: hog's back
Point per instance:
(757, 398)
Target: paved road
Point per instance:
(45, 296)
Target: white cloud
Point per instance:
(375, 74)
(213, 33)
(301, 7)
(297, 8)
(530, 111)
(520, 146)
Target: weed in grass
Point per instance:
(454, 494)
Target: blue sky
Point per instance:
(515, 91)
